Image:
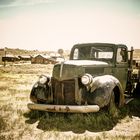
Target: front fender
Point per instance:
(101, 89)
(40, 92)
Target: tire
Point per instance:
(112, 107)
(136, 93)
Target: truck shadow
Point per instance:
(79, 123)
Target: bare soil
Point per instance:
(17, 122)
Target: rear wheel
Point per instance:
(112, 107)
(136, 93)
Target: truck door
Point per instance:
(121, 67)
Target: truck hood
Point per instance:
(85, 63)
(76, 68)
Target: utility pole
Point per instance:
(4, 56)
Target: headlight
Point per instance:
(86, 79)
(43, 79)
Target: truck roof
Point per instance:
(98, 44)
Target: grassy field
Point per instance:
(17, 122)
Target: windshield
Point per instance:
(93, 53)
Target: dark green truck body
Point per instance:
(87, 81)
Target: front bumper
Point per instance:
(64, 108)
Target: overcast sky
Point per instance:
(55, 24)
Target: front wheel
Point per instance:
(112, 107)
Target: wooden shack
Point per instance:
(10, 58)
(25, 58)
(42, 59)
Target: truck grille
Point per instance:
(63, 92)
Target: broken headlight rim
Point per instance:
(87, 79)
(43, 79)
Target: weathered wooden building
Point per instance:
(42, 59)
(10, 58)
(25, 58)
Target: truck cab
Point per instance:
(115, 55)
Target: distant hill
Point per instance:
(137, 54)
(18, 51)
(137, 51)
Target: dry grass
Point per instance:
(18, 123)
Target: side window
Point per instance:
(75, 54)
(121, 55)
(81, 53)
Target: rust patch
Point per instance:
(67, 109)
